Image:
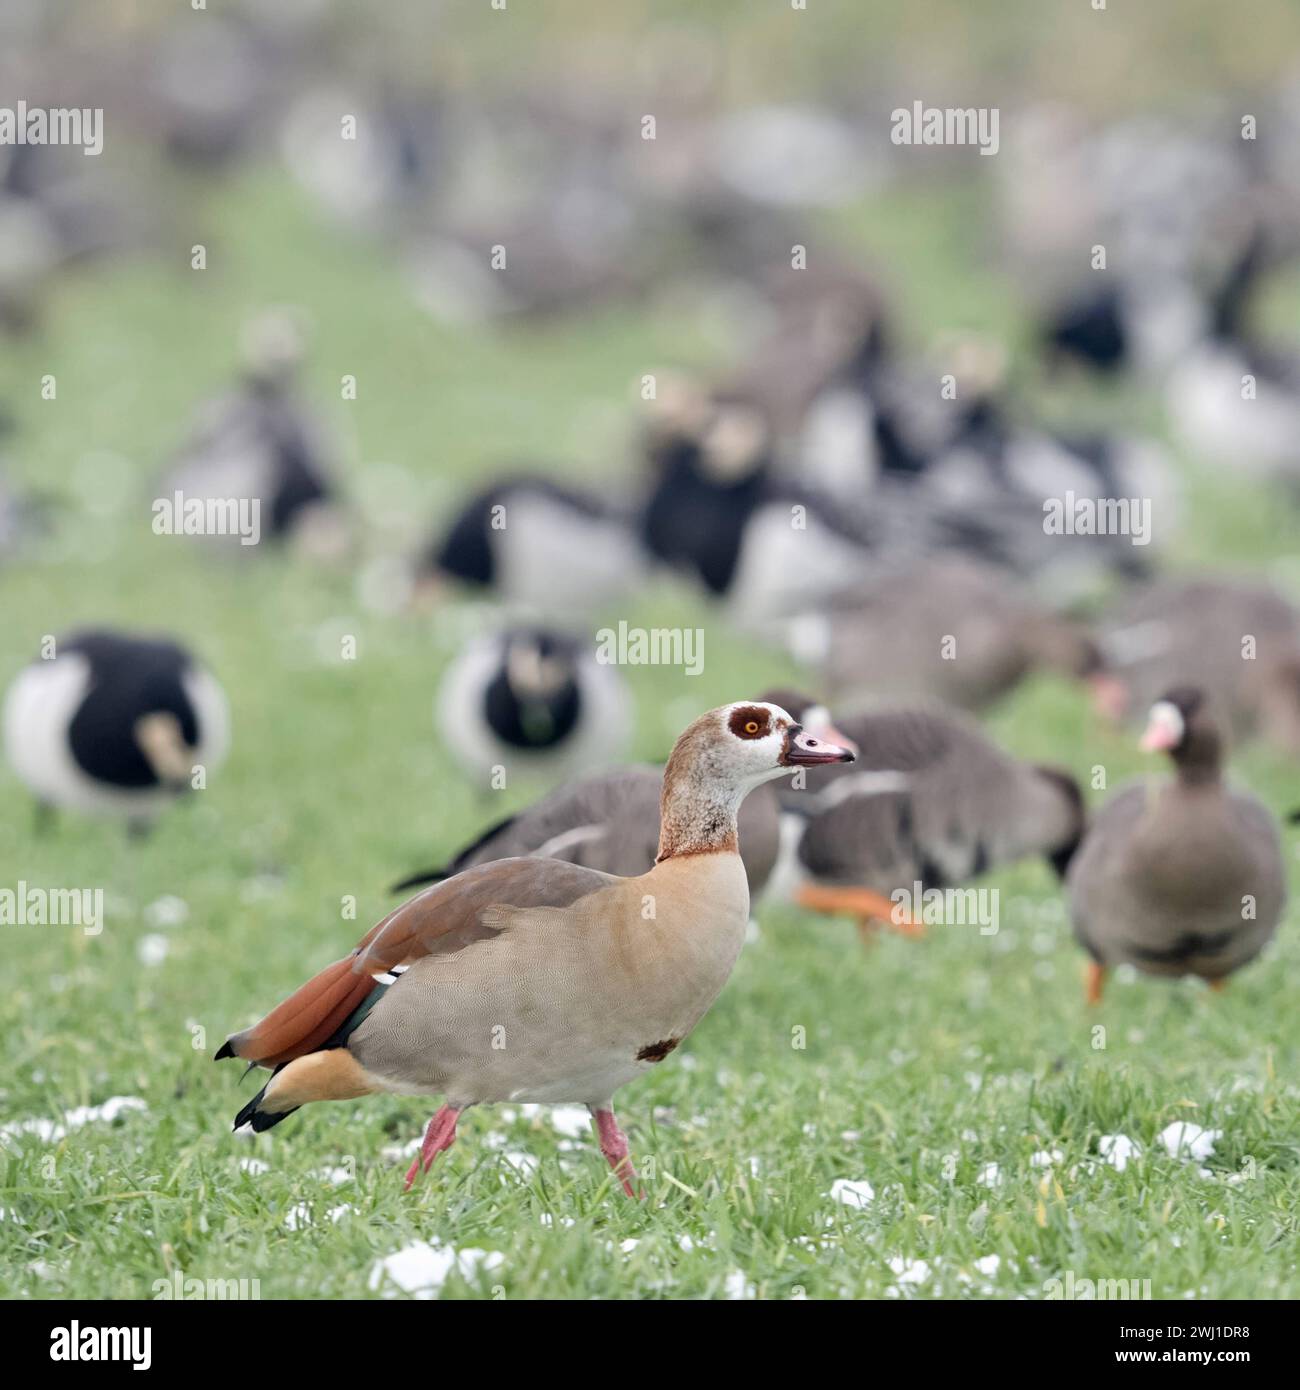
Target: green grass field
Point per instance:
(922, 1064)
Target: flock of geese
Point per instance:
(830, 498)
(574, 945)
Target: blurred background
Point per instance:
(285, 266)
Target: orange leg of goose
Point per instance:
(863, 903)
(439, 1137)
(1094, 981)
(1218, 986)
(613, 1144)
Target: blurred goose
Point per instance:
(1183, 877)
(539, 545)
(538, 980)
(716, 512)
(1238, 403)
(930, 801)
(1237, 641)
(55, 209)
(260, 442)
(1068, 511)
(956, 630)
(386, 177)
(962, 476)
(116, 724)
(531, 702)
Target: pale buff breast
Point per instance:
(565, 1004)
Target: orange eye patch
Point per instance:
(750, 722)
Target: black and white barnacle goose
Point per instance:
(718, 511)
(531, 702)
(112, 723)
(538, 545)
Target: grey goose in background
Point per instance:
(609, 821)
(1181, 877)
(930, 800)
(1195, 632)
(955, 630)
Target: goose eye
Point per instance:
(751, 727)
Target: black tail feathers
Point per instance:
(260, 1119)
(420, 879)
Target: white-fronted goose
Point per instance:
(610, 821)
(535, 979)
(1180, 878)
(533, 702)
(932, 801)
(1236, 641)
(115, 724)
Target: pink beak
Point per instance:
(803, 750)
(828, 733)
(1158, 738)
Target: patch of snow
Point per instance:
(50, 1132)
(572, 1121)
(909, 1271)
(421, 1269)
(1118, 1150)
(1182, 1139)
(990, 1176)
(152, 949)
(852, 1194)
(167, 911)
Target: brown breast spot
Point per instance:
(656, 1052)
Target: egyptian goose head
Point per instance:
(813, 715)
(1180, 724)
(722, 757)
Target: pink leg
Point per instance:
(440, 1135)
(613, 1144)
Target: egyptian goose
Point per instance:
(116, 724)
(1180, 878)
(530, 701)
(259, 441)
(1235, 640)
(932, 801)
(535, 979)
(537, 545)
(610, 821)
